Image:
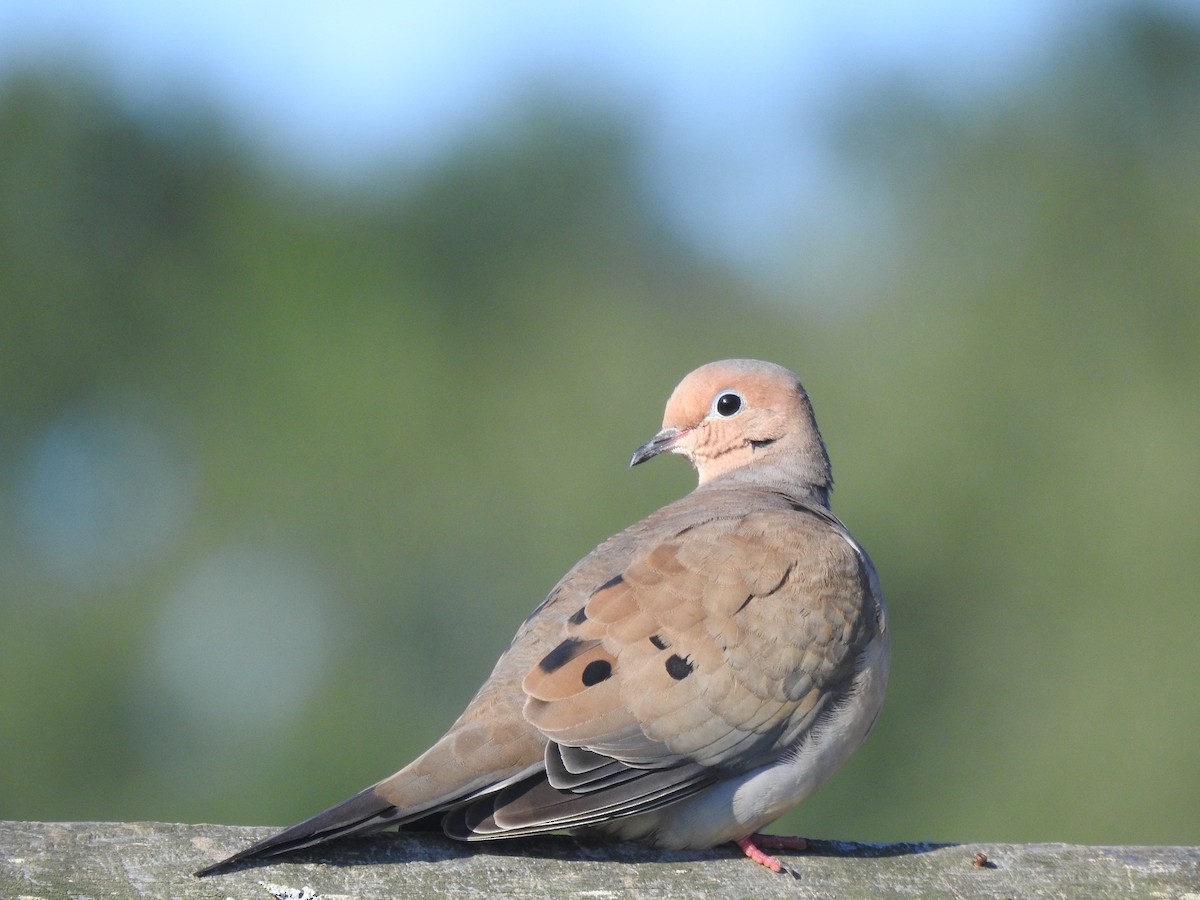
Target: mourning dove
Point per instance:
(689, 680)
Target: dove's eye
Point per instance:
(727, 404)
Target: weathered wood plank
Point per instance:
(153, 860)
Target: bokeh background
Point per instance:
(325, 336)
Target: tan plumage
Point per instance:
(692, 678)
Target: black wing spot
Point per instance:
(612, 582)
(678, 667)
(658, 642)
(596, 671)
(560, 655)
(580, 616)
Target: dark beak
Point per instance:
(656, 445)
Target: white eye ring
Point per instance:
(727, 404)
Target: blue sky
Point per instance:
(350, 79)
(729, 88)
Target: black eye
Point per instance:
(727, 404)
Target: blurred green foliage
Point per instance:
(285, 463)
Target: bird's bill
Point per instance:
(656, 445)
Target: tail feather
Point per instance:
(365, 811)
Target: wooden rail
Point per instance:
(141, 860)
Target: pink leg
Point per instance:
(752, 846)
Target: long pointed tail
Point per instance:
(365, 811)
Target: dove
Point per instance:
(689, 680)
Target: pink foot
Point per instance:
(752, 846)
